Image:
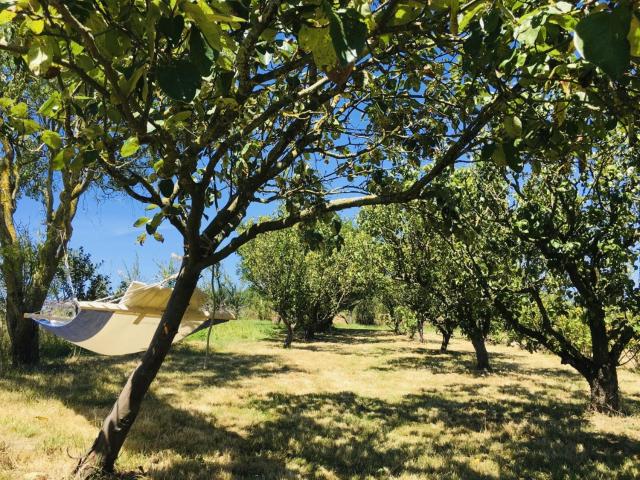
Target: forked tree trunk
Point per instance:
(605, 393)
(421, 331)
(480, 347)
(115, 428)
(446, 336)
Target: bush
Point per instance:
(364, 313)
(408, 320)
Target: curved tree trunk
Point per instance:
(115, 428)
(480, 347)
(605, 392)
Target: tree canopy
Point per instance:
(204, 109)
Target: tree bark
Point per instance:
(396, 326)
(289, 338)
(479, 345)
(605, 392)
(25, 346)
(105, 449)
(446, 336)
(309, 334)
(421, 331)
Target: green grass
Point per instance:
(237, 331)
(356, 326)
(358, 403)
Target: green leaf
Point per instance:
(499, 156)
(127, 85)
(89, 157)
(130, 147)
(201, 54)
(19, 110)
(407, 11)
(634, 36)
(469, 13)
(601, 38)
(348, 33)
(513, 126)
(180, 79)
(157, 166)
(40, 56)
(36, 26)
(171, 27)
(318, 42)
(6, 16)
(6, 102)
(62, 158)
(141, 238)
(51, 106)
(206, 20)
(141, 221)
(28, 126)
(52, 139)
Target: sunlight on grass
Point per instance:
(357, 403)
(238, 331)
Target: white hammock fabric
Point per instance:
(127, 326)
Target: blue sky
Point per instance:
(104, 227)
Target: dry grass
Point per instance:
(355, 404)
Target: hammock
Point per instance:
(125, 327)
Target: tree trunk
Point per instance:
(421, 331)
(289, 338)
(24, 333)
(605, 393)
(482, 356)
(396, 326)
(309, 334)
(446, 336)
(603, 379)
(115, 428)
(25, 348)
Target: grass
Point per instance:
(357, 403)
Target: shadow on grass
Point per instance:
(452, 433)
(335, 341)
(352, 436)
(90, 383)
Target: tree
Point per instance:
(34, 126)
(234, 297)
(571, 230)
(439, 288)
(201, 110)
(274, 265)
(80, 278)
(310, 275)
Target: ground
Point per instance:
(357, 403)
